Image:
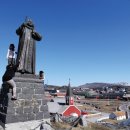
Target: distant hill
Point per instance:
(99, 85)
(55, 86)
(90, 85)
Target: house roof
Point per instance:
(119, 113)
(64, 108)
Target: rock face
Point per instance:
(30, 103)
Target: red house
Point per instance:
(69, 110)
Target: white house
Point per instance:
(119, 115)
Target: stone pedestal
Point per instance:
(30, 103)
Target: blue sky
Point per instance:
(84, 40)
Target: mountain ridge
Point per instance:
(100, 84)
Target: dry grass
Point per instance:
(104, 105)
(95, 126)
(87, 107)
(108, 105)
(61, 126)
(92, 126)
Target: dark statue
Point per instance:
(27, 47)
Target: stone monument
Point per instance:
(27, 47)
(31, 103)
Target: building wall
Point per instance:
(121, 117)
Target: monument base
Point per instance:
(30, 104)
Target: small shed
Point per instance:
(68, 110)
(119, 115)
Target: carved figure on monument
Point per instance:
(27, 48)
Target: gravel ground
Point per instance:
(30, 125)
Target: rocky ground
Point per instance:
(29, 125)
